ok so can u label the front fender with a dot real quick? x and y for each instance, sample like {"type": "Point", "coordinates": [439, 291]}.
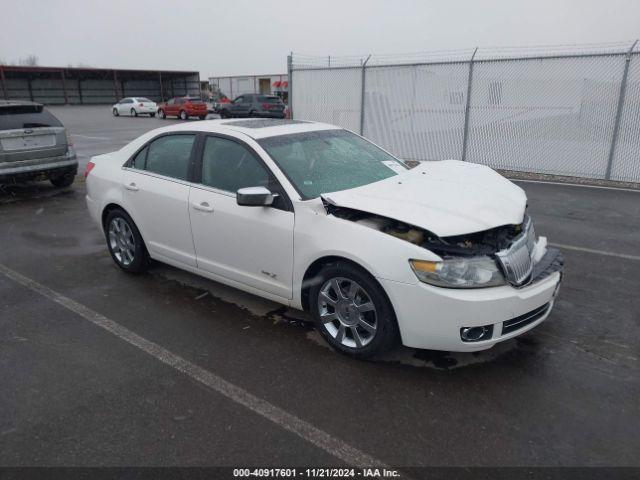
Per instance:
{"type": "Point", "coordinates": [318, 235]}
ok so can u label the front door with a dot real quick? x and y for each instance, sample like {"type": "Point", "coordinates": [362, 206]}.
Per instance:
{"type": "Point", "coordinates": [240, 106]}
{"type": "Point", "coordinates": [249, 245]}
{"type": "Point", "coordinates": [124, 106]}
{"type": "Point", "coordinates": [156, 195]}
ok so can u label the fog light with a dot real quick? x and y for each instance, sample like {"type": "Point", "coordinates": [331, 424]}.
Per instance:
{"type": "Point", "coordinates": [476, 334]}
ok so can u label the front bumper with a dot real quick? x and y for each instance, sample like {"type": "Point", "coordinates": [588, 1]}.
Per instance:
{"type": "Point", "coordinates": [431, 317]}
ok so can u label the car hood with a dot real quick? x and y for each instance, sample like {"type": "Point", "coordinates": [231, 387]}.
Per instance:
{"type": "Point", "coordinates": [447, 197]}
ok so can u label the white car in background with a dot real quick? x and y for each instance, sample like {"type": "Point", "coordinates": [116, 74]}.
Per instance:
{"type": "Point", "coordinates": [135, 106]}
{"type": "Point", "coordinates": [442, 256]}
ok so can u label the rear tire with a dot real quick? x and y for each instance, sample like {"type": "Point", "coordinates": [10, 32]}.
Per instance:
{"type": "Point", "coordinates": [352, 311]}
{"type": "Point", "coordinates": [115, 112]}
{"type": "Point", "coordinates": [161, 114]}
{"type": "Point", "coordinates": [134, 113]}
{"type": "Point", "coordinates": [125, 243]}
{"type": "Point", "coordinates": [183, 115]}
{"type": "Point", "coordinates": [224, 114]}
{"type": "Point", "coordinates": [152, 115]}
{"type": "Point", "coordinates": [202, 117]}
{"type": "Point", "coordinates": [64, 180]}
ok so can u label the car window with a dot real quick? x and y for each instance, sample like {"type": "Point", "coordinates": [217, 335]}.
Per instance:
{"type": "Point", "coordinates": [128, 100]}
{"type": "Point", "coordinates": [26, 116]}
{"type": "Point", "coordinates": [171, 101]}
{"type": "Point", "coordinates": [269, 99]}
{"type": "Point", "coordinates": [142, 99]}
{"type": "Point", "coordinates": [239, 100]}
{"type": "Point", "coordinates": [139, 160]}
{"type": "Point", "coordinates": [229, 166]}
{"type": "Point", "coordinates": [170, 155]}
{"type": "Point", "coordinates": [179, 101]}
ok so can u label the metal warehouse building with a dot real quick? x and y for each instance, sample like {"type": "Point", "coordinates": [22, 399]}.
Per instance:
{"type": "Point", "coordinates": [231, 87]}
{"type": "Point", "coordinates": [85, 86]}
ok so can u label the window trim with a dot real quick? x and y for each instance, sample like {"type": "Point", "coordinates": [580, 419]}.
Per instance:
{"type": "Point", "coordinates": [197, 178]}
{"type": "Point", "coordinates": [192, 156]}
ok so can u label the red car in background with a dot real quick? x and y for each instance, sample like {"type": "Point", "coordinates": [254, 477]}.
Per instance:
{"type": "Point", "coordinates": [183, 108]}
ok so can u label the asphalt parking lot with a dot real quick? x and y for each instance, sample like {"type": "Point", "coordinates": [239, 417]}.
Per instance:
{"type": "Point", "coordinates": [101, 368]}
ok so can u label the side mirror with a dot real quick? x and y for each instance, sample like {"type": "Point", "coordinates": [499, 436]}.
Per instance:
{"type": "Point", "coordinates": [255, 197]}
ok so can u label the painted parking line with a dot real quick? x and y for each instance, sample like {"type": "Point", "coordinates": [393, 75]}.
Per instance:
{"type": "Point", "coordinates": [321, 439]}
{"type": "Point", "coordinates": [563, 184]}
{"type": "Point", "coordinates": [90, 138]}
{"type": "Point", "coordinates": [597, 252]}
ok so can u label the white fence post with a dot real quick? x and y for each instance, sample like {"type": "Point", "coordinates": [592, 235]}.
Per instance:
{"type": "Point", "coordinates": [467, 108]}
{"type": "Point", "coordinates": [616, 126]}
{"type": "Point", "coordinates": [364, 67]}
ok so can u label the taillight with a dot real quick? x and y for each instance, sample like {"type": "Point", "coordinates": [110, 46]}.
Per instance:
{"type": "Point", "coordinates": [266, 106]}
{"type": "Point", "coordinates": [69, 140]}
{"type": "Point", "coordinates": [142, 105]}
{"type": "Point", "coordinates": [88, 168]}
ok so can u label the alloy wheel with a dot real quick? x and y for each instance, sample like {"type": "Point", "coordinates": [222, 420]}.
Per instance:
{"type": "Point", "coordinates": [121, 241]}
{"type": "Point", "coordinates": [347, 312]}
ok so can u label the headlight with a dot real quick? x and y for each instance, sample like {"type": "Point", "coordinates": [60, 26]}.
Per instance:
{"type": "Point", "coordinates": [460, 272]}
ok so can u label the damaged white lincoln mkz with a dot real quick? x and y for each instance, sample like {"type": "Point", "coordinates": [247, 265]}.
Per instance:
{"type": "Point", "coordinates": [442, 256]}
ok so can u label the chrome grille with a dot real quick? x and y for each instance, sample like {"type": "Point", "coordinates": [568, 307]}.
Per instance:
{"type": "Point", "coordinates": [516, 260]}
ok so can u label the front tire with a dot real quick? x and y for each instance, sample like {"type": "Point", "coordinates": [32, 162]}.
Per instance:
{"type": "Point", "coordinates": [125, 243]}
{"type": "Point", "coordinates": [202, 117]}
{"type": "Point", "coordinates": [351, 311]}
{"type": "Point", "coordinates": [115, 112]}
{"type": "Point", "coordinates": [183, 115]}
{"type": "Point", "coordinates": [152, 115]}
{"type": "Point", "coordinates": [224, 114]}
{"type": "Point", "coordinates": [161, 114]}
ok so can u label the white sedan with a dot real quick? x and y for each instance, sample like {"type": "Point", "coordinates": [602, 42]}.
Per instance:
{"type": "Point", "coordinates": [442, 256]}
{"type": "Point", "coordinates": [135, 106]}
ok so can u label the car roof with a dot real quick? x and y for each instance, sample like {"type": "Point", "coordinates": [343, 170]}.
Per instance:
{"type": "Point", "coordinates": [255, 128]}
{"type": "Point", "coordinates": [13, 103]}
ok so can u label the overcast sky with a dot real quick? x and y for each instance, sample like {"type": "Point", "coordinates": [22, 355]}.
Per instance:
{"type": "Point", "coordinates": [231, 37]}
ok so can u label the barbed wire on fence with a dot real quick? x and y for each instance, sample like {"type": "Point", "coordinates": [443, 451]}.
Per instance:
{"type": "Point", "coordinates": [300, 60]}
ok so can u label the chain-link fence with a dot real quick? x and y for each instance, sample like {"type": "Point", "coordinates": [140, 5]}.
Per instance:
{"type": "Point", "coordinates": [559, 110]}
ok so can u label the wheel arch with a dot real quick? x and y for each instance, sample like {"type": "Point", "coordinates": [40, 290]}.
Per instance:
{"type": "Point", "coordinates": [115, 206]}
{"type": "Point", "coordinates": [314, 268]}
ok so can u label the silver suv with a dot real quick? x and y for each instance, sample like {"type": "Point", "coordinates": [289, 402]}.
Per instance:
{"type": "Point", "coordinates": [34, 145]}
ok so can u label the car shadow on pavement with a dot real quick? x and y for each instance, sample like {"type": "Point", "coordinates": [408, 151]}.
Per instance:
{"type": "Point", "coordinates": [13, 192]}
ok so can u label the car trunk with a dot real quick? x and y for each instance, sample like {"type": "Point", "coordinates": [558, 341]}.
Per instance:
{"type": "Point", "coordinates": [29, 133]}
{"type": "Point", "coordinates": [31, 144]}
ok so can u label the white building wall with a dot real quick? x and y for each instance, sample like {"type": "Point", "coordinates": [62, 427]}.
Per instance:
{"type": "Point", "coordinates": [232, 87]}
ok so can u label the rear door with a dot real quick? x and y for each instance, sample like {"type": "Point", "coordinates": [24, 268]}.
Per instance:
{"type": "Point", "coordinates": [170, 107]}
{"type": "Point", "coordinates": [179, 103]}
{"type": "Point", "coordinates": [29, 134]}
{"type": "Point", "coordinates": [156, 195]}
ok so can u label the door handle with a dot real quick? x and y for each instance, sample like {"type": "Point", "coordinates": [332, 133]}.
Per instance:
{"type": "Point", "coordinates": [132, 186]}
{"type": "Point", "coordinates": [203, 207]}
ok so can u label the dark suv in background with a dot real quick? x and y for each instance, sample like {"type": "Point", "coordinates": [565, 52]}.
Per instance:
{"type": "Point", "coordinates": [253, 105]}
{"type": "Point", "coordinates": [34, 145]}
